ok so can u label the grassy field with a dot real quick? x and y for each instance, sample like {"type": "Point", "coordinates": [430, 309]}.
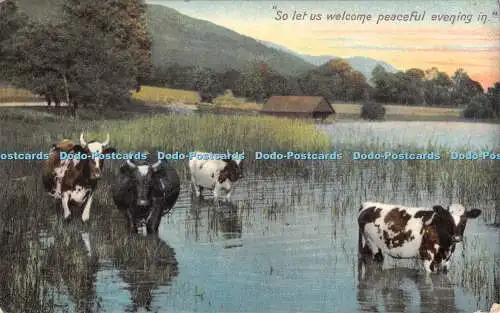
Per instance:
{"type": "Point", "coordinates": [165, 96]}
{"type": "Point", "coordinates": [401, 110]}
{"type": "Point", "coordinates": [8, 94]}
{"type": "Point", "coordinates": [31, 273]}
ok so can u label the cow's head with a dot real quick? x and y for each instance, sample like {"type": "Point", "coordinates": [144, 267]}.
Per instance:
{"type": "Point", "coordinates": [453, 220]}
{"type": "Point", "coordinates": [460, 216]}
{"type": "Point", "coordinates": [96, 148]}
{"type": "Point", "coordinates": [142, 177]}
{"type": "Point", "coordinates": [87, 165]}
{"type": "Point", "coordinates": [232, 171]}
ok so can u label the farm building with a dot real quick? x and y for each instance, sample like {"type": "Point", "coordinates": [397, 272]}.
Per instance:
{"type": "Point", "coordinates": [298, 106]}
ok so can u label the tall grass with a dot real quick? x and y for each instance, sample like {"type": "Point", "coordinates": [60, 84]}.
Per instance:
{"type": "Point", "coordinates": [216, 134]}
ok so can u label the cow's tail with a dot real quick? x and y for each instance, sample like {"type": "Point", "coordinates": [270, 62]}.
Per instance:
{"type": "Point", "coordinates": [360, 242]}
{"type": "Point", "coordinates": [360, 236]}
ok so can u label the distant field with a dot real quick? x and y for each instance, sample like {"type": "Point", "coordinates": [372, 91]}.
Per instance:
{"type": "Point", "coordinates": [9, 94]}
{"type": "Point", "coordinates": [401, 110]}
{"type": "Point", "coordinates": [159, 95]}
{"type": "Point", "coordinates": [169, 96]}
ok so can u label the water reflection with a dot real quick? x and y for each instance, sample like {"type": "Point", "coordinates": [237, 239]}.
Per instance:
{"type": "Point", "coordinates": [223, 220]}
{"type": "Point", "coordinates": [404, 290]}
{"type": "Point", "coordinates": [68, 263]}
{"type": "Point", "coordinates": [145, 264]}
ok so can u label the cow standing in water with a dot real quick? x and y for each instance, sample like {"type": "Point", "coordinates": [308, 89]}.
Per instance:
{"type": "Point", "coordinates": [214, 174]}
{"type": "Point", "coordinates": [73, 181]}
{"type": "Point", "coordinates": [144, 193]}
{"type": "Point", "coordinates": [429, 234]}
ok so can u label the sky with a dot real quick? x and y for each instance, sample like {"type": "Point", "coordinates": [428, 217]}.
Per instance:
{"type": "Point", "coordinates": [471, 41]}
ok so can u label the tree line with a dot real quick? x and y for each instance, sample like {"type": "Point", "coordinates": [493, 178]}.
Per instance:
{"type": "Point", "coordinates": [101, 50]}
{"type": "Point", "coordinates": [338, 81]}
{"type": "Point", "coordinates": [95, 54]}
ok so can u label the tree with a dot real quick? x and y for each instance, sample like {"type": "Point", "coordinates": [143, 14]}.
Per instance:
{"type": "Point", "coordinates": [464, 88]}
{"type": "Point", "coordinates": [251, 81]}
{"type": "Point", "coordinates": [208, 83]}
{"type": "Point", "coordinates": [494, 97]}
{"type": "Point", "coordinates": [372, 111]}
{"type": "Point", "coordinates": [415, 80]}
{"type": "Point", "coordinates": [122, 19]}
{"type": "Point", "coordinates": [90, 58]}
{"type": "Point", "coordinates": [438, 87]}
{"type": "Point", "coordinates": [334, 80]}
{"type": "Point", "coordinates": [11, 21]}
{"type": "Point", "coordinates": [383, 85]}
{"type": "Point", "coordinates": [479, 107]}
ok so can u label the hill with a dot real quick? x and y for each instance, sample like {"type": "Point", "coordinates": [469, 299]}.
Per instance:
{"type": "Point", "coordinates": [188, 41]}
{"type": "Point", "coordinates": [362, 64]}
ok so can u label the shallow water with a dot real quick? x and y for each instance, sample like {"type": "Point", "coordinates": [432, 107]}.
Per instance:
{"type": "Point", "coordinates": [453, 135]}
{"type": "Point", "coordinates": [285, 245]}
{"type": "Point", "coordinates": [290, 251]}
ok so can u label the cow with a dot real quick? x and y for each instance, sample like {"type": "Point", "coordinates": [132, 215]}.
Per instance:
{"type": "Point", "coordinates": [145, 193]}
{"type": "Point", "coordinates": [428, 234]}
{"type": "Point", "coordinates": [214, 174]}
{"type": "Point", "coordinates": [73, 181]}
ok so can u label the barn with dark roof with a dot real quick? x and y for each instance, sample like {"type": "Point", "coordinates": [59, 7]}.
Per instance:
{"type": "Point", "coordinates": [298, 106]}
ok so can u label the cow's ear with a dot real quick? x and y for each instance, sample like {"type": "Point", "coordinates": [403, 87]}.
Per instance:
{"type": "Point", "coordinates": [473, 213]}
{"type": "Point", "coordinates": [109, 150]}
{"type": "Point", "coordinates": [439, 209]}
{"type": "Point", "coordinates": [78, 148]}
{"type": "Point", "coordinates": [125, 170]}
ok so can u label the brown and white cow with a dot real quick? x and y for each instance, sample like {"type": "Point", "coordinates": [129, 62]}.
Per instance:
{"type": "Point", "coordinates": [214, 174]}
{"type": "Point", "coordinates": [74, 180]}
{"type": "Point", "coordinates": [429, 234]}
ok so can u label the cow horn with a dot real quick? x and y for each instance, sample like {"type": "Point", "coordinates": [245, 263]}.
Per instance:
{"type": "Point", "coordinates": [130, 164]}
{"type": "Point", "coordinates": [156, 165]}
{"type": "Point", "coordinates": [82, 141]}
{"type": "Point", "coordinates": [107, 140]}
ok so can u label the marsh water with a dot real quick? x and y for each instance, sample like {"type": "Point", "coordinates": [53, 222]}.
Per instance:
{"type": "Point", "coordinates": [290, 245]}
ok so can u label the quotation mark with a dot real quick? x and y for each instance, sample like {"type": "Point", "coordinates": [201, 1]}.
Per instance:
{"type": "Point", "coordinates": [275, 7]}
{"type": "Point", "coordinates": [495, 13]}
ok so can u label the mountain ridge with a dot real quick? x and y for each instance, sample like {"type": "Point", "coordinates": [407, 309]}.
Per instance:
{"type": "Point", "coordinates": [187, 41]}
{"type": "Point", "coordinates": [363, 64]}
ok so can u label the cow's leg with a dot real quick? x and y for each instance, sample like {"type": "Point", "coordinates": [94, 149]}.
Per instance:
{"type": "Point", "coordinates": [65, 204]}
{"type": "Point", "coordinates": [217, 189]}
{"type": "Point", "coordinates": [131, 223]}
{"type": "Point", "coordinates": [86, 241]}
{"type": "Point", "coordinates": [197, 189]}
{"type": "Point", "coordinates": [447, 258]}
{"type": "Point", "coordinates": [431, 265]}
{"type": "Point", "coordinates": [154, 221]}
{"type": "Point", "coordinates": [229, 194]}
{"type": "Point", "coordinates": [373, 250]}
{"type": "Point", "coordinates": [86, 209]}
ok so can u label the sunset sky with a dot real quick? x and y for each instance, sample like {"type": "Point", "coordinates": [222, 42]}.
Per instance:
{"type": "Point", "coordinates": [474, 46]}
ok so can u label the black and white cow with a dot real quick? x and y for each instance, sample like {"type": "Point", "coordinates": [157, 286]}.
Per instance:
{"type": "Point", "coordinates": [145, 193]}
{"type": "Point", "coordinates": [214, 174]}
{"type": "Point", "coordinates": [429, 234]}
